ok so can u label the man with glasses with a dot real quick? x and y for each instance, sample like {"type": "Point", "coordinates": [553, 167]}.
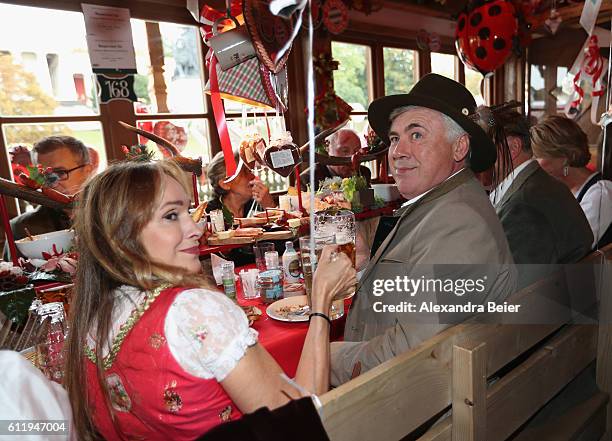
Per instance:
{"type": "Point", "coordinates": [71, 161]}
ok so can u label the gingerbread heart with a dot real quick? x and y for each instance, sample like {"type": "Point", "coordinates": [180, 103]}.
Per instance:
{"type": "Point", "coordinates": [283, 158]}
{"type": "Point", "coordinates": [247, 153]}
{"type": "Point", "coordinates": [259, 148]}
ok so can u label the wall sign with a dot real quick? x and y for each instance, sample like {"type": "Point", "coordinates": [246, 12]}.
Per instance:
{"type": "Point", "coordinates": [116, 88]}
{"type": "Point", "coordinates": [109, 39]}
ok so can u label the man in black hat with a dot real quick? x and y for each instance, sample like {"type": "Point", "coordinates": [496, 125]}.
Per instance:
{"type": "Point", "coordinates": [447, 236]}
{"type": "Point", "coordinates": [542, 220]}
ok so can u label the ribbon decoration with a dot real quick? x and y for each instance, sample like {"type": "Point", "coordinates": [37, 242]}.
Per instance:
{"type": "Point", "coordinates": [593, 67]}
{"type": "Point", "coordinates": [219, 113]}
{"type": "Point", "coordinates": [208, 17]}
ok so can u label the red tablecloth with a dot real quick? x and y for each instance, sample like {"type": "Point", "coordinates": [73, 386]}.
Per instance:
{"type": "Point", "coordinates": [284, 341]}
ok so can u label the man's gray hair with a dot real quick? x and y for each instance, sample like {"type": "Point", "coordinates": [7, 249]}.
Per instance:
{"type": "Point", "coordinates": [453, 130]}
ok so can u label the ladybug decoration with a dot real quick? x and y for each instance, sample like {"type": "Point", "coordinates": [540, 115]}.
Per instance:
{"type": "Point", "coordinates": [486, 34]}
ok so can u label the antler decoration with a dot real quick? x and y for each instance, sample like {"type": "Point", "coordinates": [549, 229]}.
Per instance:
{"type": "Point", "coordinates": [336, 160]}
{"type": "Point", "coordinates": [188, 164]}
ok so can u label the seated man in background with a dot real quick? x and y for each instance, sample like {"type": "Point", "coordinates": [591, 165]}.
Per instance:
{"type": "Point", "coordinates": [446, 231]}
{"type": "Point", "coordinates": [70, 160]}
{"type": "Point", "coordinates": [542, 220]}
{"type": "Point", "coordinates": [344, 143]}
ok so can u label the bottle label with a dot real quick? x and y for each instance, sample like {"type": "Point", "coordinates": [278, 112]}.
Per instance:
{"type": "Point", "coordinates": [229, 286]}
{"type": "Point", "coordinates": [294, 268]}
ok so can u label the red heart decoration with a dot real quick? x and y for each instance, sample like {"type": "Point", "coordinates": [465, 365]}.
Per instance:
{"type": "Point", "coordinates": [283, 158]}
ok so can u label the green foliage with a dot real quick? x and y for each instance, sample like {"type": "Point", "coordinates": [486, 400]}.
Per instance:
{"type": "Point", "coordinates": [350, 80]}
{"type": "Point", "coordinates": [21, 95]}
{"type": "Point", "coordinates": [399, 70]}
{"type": "Point", "coordinates": [141, 87]}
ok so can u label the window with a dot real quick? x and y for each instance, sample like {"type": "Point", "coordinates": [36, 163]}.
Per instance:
{"type": "Point", "coordinates": [473, 82]}
{"type": "Point", "coordinates": [400, 70]}
{"type": "Point", "coordinates": [444, 64]}
{"type": "Point", "coordinates": [352, 80]}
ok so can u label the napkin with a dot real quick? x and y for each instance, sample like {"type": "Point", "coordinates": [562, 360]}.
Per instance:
{"type": "Point", "coordinates": [216, 263]}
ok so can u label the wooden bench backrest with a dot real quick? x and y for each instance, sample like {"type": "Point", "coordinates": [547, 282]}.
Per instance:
{"type": "Point", "coordinates": [395, 398]}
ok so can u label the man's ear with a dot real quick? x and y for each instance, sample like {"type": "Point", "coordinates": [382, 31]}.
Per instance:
{"type": "Point", "coordinates": [461, 148]}
{"type": "Point", "coordinates": [515, 145]}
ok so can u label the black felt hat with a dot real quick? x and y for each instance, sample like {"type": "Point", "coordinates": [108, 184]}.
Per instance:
{"type": "Point", "coordinates": [439, 93]}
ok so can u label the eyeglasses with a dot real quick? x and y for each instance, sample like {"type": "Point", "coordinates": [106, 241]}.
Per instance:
{"type": "Point", "coordinates": [62, 174]}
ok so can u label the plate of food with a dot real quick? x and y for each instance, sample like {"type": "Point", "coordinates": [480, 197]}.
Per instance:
{"type": "Point", "coordinates": [291, 309]}
{"type": "Point", "coordinates": [253, 313]}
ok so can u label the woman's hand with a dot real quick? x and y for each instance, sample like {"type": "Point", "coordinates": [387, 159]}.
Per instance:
{"type": "Point", "coordinates": [334, 275]}
{"type": "Point", "coordinates": [261, 193]}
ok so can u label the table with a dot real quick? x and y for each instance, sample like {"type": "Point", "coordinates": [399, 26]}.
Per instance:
{"type": "Point", "coordinates": [284, 341]}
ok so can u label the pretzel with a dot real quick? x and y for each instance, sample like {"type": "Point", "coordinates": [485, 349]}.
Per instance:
{"type": "Point", "coordinates": [199, 212]}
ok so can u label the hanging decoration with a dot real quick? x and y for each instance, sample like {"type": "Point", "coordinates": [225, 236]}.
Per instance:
{"type": "Point", "coordinates": [590, 67]}
{"type": "Point", "coordinates": [486, 34]}
{"type": "Point", "coordinates": [554, 20]}
{"type": "Point", "coordinates": [335, 16]}
{"type": "Point", "coordinates": [330, 109]}
{"type": "Point", "coordinates": [428, 41]}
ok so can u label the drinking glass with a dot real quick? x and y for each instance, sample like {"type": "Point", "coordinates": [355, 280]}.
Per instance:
{"type": "Point", "coordinates": [309, 265]}
{"type": "Point", "coordinates": [341, 225]}
{"type": "Point", "coordinates": [260, 249]}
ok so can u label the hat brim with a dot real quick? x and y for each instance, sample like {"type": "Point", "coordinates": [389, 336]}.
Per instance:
{"type": "Point", "coordinates": [483, 152]}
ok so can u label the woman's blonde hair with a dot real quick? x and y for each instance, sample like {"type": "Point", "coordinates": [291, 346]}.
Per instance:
{"type": "Point", "coordinates": [559, 137]}
{"type": "Point", "coordinates": [114, 207]}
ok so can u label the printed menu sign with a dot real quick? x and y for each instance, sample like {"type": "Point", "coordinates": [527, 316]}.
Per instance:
{"type": "Point", "coordinates": [109, 39]}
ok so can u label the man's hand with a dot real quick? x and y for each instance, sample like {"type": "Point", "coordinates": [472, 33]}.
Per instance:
{"type": "Point", "coordinates": [261, 193]}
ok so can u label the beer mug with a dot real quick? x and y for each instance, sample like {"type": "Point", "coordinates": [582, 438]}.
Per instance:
{"type": "Point", "coordinates": [341, 225]}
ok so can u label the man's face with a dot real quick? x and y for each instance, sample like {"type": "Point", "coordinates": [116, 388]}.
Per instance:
{"type": "Point", "coordinates": [63, 159]}
{"type": "Point", "coordinates": [420, 156]}
{"type": "Point", "coordinates": [346, 145]}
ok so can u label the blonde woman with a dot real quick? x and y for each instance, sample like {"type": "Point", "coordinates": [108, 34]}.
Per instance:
{"type": "Point", "coordinates": [153, 353]}
{"type": "Point", "coordinates": [561, 148]}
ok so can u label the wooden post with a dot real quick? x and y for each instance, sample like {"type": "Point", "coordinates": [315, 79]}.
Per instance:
{"type": "Point", "coordinates": [604, 343]}
{"type": "Point", "coordinates": [469, 398]}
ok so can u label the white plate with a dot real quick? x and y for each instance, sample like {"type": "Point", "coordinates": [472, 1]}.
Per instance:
{"type": "Point", "coordinates": [273, 310]}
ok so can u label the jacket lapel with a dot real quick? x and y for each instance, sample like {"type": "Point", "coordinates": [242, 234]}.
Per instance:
{"type": "Point", "coordinates": [447, 186]}
{"type": "Point", "coordinates": [518, 182]}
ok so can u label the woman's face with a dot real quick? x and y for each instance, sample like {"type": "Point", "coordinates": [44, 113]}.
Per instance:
{"type": "Point", "coordinates": [171, 237]}
{"type": "Point", "coordinates": [240, 185]}
{"type": "Point", "coordinates": [553, 166]}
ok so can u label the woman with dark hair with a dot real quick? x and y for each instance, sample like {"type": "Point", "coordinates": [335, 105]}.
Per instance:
{"type": "Point", "coordinates": [153, 353]}
{"type": "Point", "coordinates": [562, 149]}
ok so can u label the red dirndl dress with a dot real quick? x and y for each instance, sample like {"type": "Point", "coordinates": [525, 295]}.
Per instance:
{"type": "Point", "coordinates": [152, 397]}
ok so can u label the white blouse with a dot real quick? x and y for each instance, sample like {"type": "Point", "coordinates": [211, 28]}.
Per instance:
{"type": "Point", "coordinates": [206, 332]}
{"type": "Point", "coordinates": [597, 206]}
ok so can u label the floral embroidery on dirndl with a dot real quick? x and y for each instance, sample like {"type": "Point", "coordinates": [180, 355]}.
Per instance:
{"type": "Point", "coordinates": [200, 334]}
{"type": "Point", "coordinates": [119, 397]}
{"type": "Point", "coordinates": [225, 414]}
{"type": "Point", "coordinates": [172, 399]}
{"type": "Point", "coordinates": [156, 340]}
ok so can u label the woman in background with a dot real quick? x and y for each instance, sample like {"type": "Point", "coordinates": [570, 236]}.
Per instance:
{"type": "Point", "coordinates": [153, 352]}
{"type": "Point", "coordinates": [561, 148]}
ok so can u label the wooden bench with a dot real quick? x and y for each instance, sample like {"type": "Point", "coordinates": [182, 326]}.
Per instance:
{"type": "Point", "coordinates": [451, 371]}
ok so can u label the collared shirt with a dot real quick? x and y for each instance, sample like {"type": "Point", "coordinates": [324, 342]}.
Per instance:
{"type": "Point", "coordinates": [497, 195]}
{"type": "Point", "coordinates": [597, 206]}
{"type": "Point", "coordinates": [416, 198]}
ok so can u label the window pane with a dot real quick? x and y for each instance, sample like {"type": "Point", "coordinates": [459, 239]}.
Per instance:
{"type": "Point", "coordinates": [190, 136]}
{"type": "Point", "coordinates": [473, 82]}
{"type": "Point", "coordinates": [90, 133]}
{"type": "Point", "coordinates": [46, 71]}
{"type": "Point", "coordinates": [239, 128]}
{"type": "Point", "coordinates": [537, 91]}
{"type": "Point", "coordinates": [174, 84]}
{"type": "Point", "coordinates": [443, 64]}
{"type": "Point", "coordinates": [352, 80]}
{"type": "Point", "coordinates": [399, 70]}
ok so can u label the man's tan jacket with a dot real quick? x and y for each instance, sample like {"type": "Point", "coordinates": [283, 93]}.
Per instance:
{"type": "Point", "coordinates": [451, 233]}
